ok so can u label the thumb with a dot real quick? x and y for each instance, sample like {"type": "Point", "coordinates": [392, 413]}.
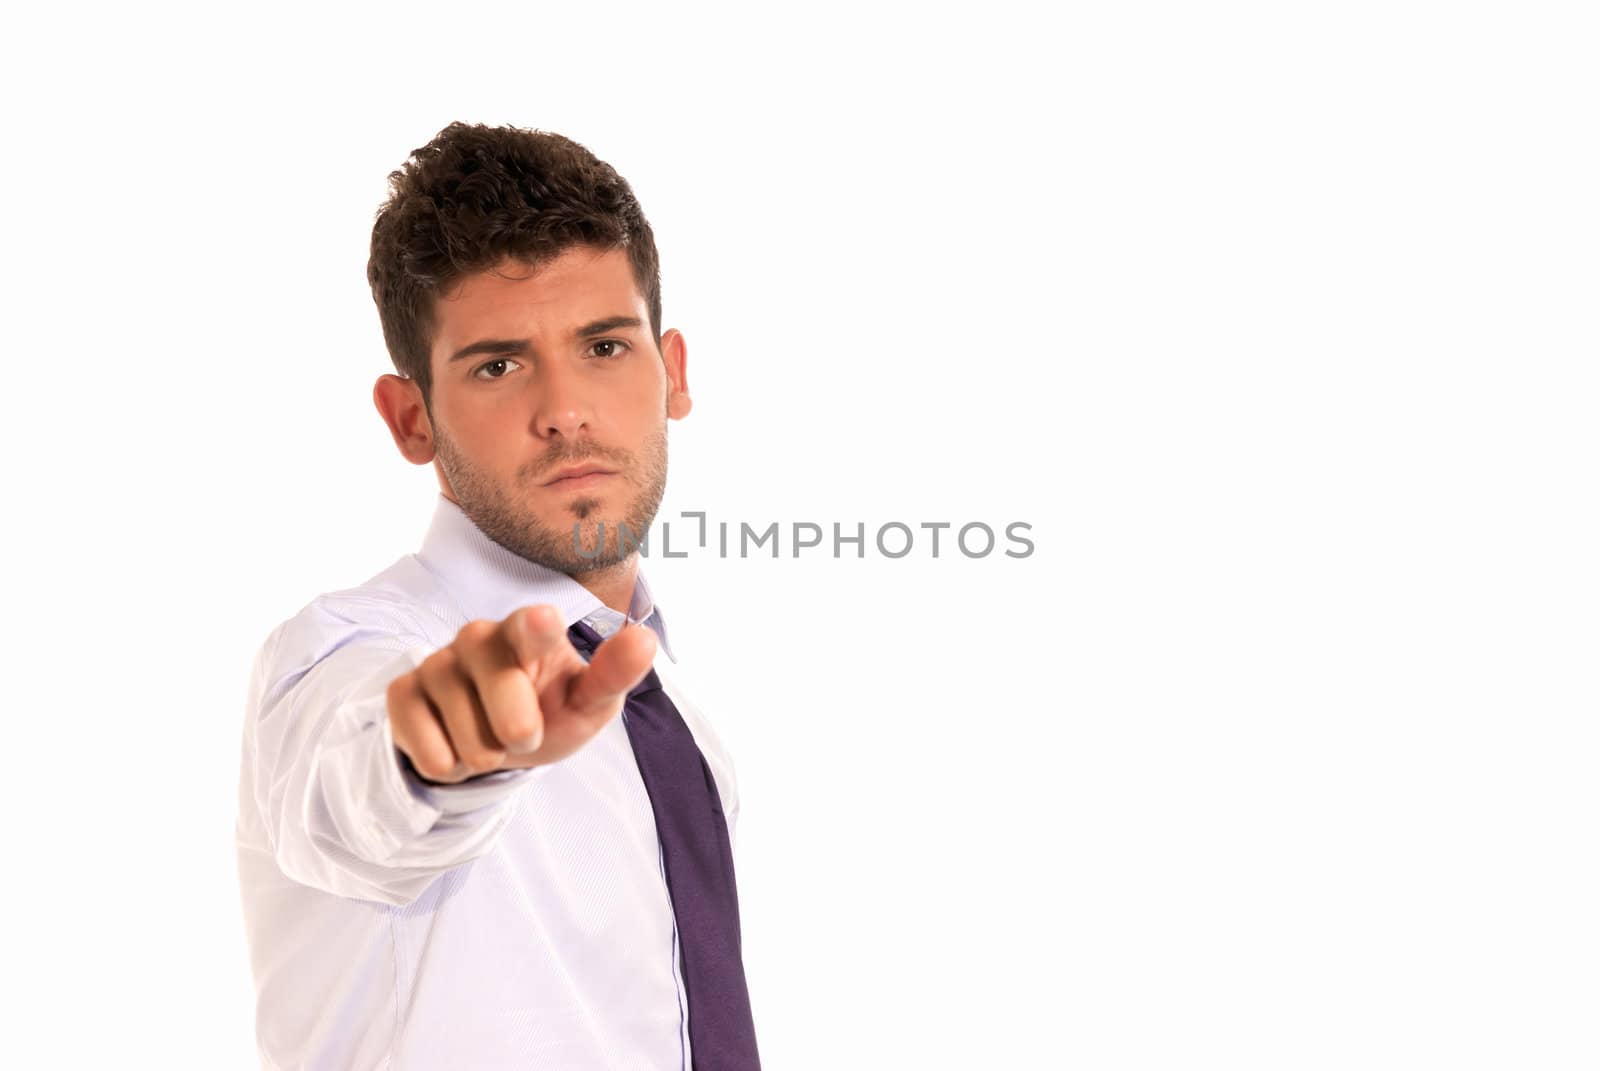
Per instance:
{"type": "Point", "coordinates": [619, 663]}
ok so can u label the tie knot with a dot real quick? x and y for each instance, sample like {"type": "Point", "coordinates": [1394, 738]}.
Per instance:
{"type": "Point", "coordinates": [584, 638]}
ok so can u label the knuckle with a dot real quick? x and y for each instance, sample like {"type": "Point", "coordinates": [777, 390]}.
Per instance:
{"type": "Point", "coordinates": [438, 665]}
{"type": "Point", "coordinates": [476, 631]}
{"type": "Point", "coordinates": [402, 699]}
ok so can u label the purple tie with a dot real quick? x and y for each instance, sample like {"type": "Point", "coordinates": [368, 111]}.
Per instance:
{"type": "Point", "coordinates": [699, 863]}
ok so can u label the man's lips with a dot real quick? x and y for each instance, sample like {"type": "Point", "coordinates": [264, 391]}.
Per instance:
{"type": "Point", "coordinates": [578, 476]}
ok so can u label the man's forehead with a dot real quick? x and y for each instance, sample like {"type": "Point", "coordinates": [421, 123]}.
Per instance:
{"type": "Point", "coordinates": [557, 295]}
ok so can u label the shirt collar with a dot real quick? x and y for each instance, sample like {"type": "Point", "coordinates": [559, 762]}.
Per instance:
{"type": "Point", "coordinates": [488, 581]}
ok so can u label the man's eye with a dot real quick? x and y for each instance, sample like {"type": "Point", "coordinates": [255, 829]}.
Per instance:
{"type": "Point", "coordinates": [609, 347]}
{"type": "Point", "coordinates": [490, 364]}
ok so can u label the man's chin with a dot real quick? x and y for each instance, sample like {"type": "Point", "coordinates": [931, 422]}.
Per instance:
{"type": "Point", "coordinates": [582, 539]}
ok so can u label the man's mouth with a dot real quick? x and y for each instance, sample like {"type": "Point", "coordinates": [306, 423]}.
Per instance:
{"type": "Point", "coordinates": [575, 476]}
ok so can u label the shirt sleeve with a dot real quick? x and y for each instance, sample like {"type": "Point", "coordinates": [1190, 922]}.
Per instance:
{"type": "Point", "coordinates": [342, 812]}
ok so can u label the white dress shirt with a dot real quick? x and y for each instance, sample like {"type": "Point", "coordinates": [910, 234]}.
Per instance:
{"type": "Point", "coordinates": [520, 920]}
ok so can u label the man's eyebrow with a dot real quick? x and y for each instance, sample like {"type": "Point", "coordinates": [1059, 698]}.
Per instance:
{"type": "Point", "coordinates": [502, 346]}
{"type": "Point", "coordinates": [610, 323]}
{"type": "Point", "coordinates": [490, 345]}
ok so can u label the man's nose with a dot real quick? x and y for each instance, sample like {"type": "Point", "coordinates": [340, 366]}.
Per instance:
{"type": "Point", "coordinates": [563, 408]}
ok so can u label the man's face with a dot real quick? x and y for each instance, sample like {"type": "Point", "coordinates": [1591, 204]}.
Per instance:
{"type": "Point", "coordinates": [538, 373]}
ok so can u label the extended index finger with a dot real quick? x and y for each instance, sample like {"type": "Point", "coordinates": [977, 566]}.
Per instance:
{"type": "Point", "coordinates": [533, 632]}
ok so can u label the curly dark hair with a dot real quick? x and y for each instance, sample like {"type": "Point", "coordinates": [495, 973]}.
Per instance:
{"type": "Point", "coordinates": [475, 195]}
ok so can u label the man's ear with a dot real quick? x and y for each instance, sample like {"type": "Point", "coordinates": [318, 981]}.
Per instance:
{"type": "Point", "coordinates": [675, 355]}
{"type": "Point", "coordinates": [399, 402]}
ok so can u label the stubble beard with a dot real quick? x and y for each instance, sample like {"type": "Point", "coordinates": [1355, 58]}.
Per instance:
{"type": "Point", "coordinates": [503, 515]}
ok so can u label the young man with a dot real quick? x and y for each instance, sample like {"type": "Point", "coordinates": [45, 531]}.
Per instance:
{"type": "Point", "coordinates": [453, 851]}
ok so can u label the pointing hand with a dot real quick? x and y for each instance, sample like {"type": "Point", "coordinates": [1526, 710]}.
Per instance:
{"type": "Point", "coordinates": [512, 694]}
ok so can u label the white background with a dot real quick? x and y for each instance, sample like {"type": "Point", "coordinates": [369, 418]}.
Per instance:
{"type": "Point", "coordinates": [1277, 322]}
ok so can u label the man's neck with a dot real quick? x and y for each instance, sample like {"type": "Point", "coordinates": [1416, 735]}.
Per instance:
{"type": "Point", "coordinates": [613, 584]}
